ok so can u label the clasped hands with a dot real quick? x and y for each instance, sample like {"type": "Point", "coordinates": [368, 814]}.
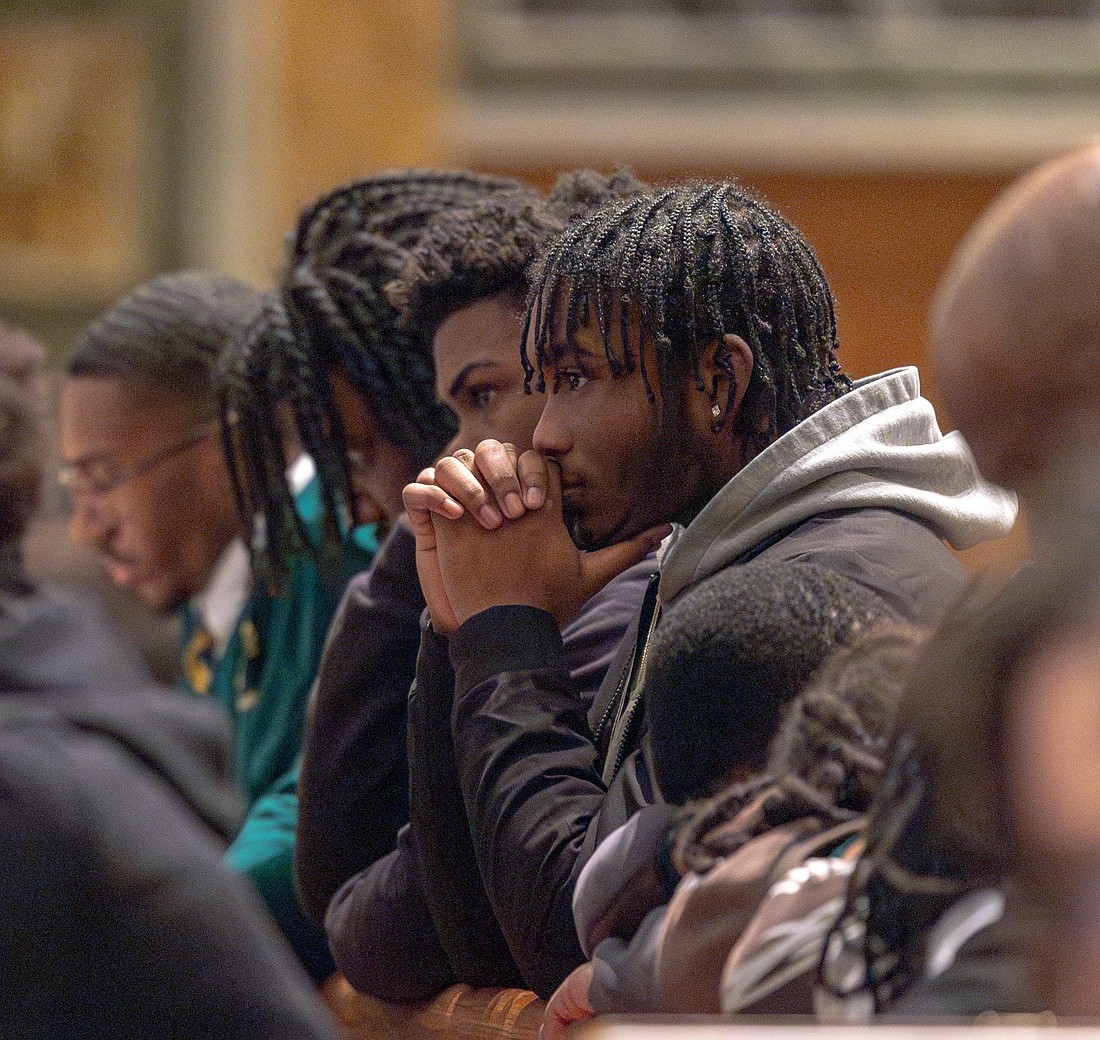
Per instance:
{"type": "Point", "coordinates": [490, 532]}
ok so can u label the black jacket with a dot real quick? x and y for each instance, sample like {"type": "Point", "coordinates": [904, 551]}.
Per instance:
{"type": "Point", "coordinates": [117, 915]}
{"type": "Point", "coordinates": [539, 806]}
{"type": "Point", "coordinates": [419, 919]}
{"type": "Point", "coordinates": [353, 787]}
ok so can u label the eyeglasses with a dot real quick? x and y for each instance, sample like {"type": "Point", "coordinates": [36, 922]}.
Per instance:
{"type": "Point", "coordinates": [359, 459]}
{"type": "Point", "coordinates": [101, 476]}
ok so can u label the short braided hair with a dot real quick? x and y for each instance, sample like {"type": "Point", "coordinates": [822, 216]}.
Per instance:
{"type": "Point", "coordinates": [835, 736]}
{"type": "Point", "coordinates": [22, 410]}
{"type": "Point", "coordinates": [169, 333]}
{"type": "Point", "coordinates": [696, 262]}
{"type": "Point", "coordinates": [330, 312]}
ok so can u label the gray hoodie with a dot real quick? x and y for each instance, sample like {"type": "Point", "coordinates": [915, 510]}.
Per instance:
{"type": "Point", "coordinates": [877, 447]}
{"type": "Point", "coordinates": [867, 485]}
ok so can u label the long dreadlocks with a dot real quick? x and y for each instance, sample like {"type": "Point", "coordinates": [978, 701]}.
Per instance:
{"type": "Point", "coordinates": [330, 312]}
{"type": "Point", "coordinates": [694, 263]}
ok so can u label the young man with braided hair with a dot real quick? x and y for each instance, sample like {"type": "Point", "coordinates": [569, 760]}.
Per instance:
{"type": "Point", "coordinates": [152, 493]}
{"type": "Point", "coordinates": [331, 328]}
{"type": "Point", "coordinates": [686, 338]}
{"type": "Point", "coordinates": [330, 361]}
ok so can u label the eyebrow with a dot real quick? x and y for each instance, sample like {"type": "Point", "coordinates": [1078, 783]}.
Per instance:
{"type": "Point", "coordinates": [87, 459]}
{"type": "Point", "coordinates": [463, 377]}
{"type": "Point", "coordinates": [556, 351]}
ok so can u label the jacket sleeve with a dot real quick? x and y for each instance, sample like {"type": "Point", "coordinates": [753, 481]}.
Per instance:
{"type": "Point", "coordinates": [440, 834]}
{"type": "Point", "coordinates": [382, 934]}
{"type": "Point", "coordinates": [353, 785]}
{"type": "Point", "coordinates": [529, 769]}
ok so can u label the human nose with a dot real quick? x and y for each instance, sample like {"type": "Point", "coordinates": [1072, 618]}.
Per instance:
{"type": "Point", "coordinates": [552, 437]}
{"type": "Point", "coordinates": [462, 439]}
{"type": "Point", "coordinates": [89, 523]}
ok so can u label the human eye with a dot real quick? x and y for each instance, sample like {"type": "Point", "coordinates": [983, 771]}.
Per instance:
{"type": "Point", "coordinates": [100, 477]}
{"type": "Point", "coordinates": [359, 454]}
{"type": "Point", "coordinates": [482, 396]}
{"type": "Point", "coordinates": [573, 378]}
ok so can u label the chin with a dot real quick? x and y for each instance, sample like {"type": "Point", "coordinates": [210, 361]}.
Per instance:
{"type": "Point", "coordinates": [587, 540]}
{"type": "Point", "coordinates": [577, 532]}
{"type": "Point", "coordinates": [161, 601]}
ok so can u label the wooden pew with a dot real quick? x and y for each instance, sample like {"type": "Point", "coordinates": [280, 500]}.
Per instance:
{"type": "Point", "coordinates": [460, 1013]}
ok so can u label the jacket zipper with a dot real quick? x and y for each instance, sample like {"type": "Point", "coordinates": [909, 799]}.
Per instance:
{"type": "Point", "coordinates": [634, 681]}
{"type": "Point", "coordinates": [615, 702]}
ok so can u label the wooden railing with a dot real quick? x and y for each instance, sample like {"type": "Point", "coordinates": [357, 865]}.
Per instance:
{"type": "Point", "coordinates": [460, 1013]}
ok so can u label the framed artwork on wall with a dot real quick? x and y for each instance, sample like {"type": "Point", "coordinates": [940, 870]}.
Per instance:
{"type": "Point", "coordinates": [78, 208]}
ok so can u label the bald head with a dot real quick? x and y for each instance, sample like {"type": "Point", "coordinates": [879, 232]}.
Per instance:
{"type": "Point", "coordinates": [1016, 323]}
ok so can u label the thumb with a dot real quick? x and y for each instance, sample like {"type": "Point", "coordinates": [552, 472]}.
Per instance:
{"type": "Point", "coordinates": [549, 472]}
{"type": "Point", "coordinates": [599, 567]}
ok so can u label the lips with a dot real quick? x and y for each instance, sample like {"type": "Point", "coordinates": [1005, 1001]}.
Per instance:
{"type": "Point", "coordinates": [121, 569]}
{"type": "Point", "coordinates": [572, 495]}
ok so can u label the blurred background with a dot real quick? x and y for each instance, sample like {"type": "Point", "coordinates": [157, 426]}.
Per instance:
{"type": "Point", "coordinates": [143, 135]}
{"type": "Point", "coordinates": [138, 135]}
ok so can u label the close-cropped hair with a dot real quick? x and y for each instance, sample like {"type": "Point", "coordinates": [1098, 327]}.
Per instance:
{"type": "Point", "coordinates": [469, 254]}
{"type": "Point", "coordinates": [727, 659]}
{"type": "Point", "coordinates": [168, 333]}
{"type": "Point", "coordinates": [829, 756]}
{"type": "Point", "coordinates": [330, 312]}
{"type": "Point", "coordinates": [688, 265]}
{"type": "Point", "coordinates": [22, 409]}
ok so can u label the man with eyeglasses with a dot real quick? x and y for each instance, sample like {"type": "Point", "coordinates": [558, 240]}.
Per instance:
{"type": "Point", "coordinates": [143, 461]}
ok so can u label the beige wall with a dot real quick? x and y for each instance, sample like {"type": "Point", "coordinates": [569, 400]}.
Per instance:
{"type": "Point", "coordinates": [301, 97]}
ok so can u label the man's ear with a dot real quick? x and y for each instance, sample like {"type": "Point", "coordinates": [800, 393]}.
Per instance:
{"type": "Point", "coordinates": [726, 372]}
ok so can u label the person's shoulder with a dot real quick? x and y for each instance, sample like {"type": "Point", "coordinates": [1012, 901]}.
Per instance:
{"type": "Point", "coordinates": [894, 554]}
{"type": "Point", "coordinates": [53, 637]}
{"type": "Point", "coordinates": [858, 530]}
{"type": "Point", "coordinates": [177, 744]}
{"type": "Point", "coordinates": [35, 756]}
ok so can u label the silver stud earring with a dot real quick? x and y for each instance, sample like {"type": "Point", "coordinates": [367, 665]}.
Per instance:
{"type": "Point", "coordinates": [715, 412]}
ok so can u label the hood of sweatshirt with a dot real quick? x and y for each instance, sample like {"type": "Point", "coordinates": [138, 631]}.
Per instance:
{"type": "Point", "coordinates": [63, 667]}
{"type": "Point", "coordinates": [57, 639]}
{"type": "Point", "coordinates": [877, 447]}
